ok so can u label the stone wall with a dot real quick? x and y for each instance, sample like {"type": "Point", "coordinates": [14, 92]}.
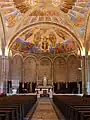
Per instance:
{"type": "Point", "coordinates": [56, 69]}
{"type": "Point", "coordinates": [45, 68]}
{"type": "Point", "coordinates": [29, 66]}
{"type": "Point", "coordinates": [16, 68]}
{"type": "Point", "coordinates": [0, 67]}
{"type": "Point", "coordinates": [60, 70]}
{"type": "Point", "coordinates": [72, 68]}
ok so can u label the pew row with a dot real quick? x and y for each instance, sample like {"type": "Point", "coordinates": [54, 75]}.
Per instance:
{"type": "Point", "coordinates": [73, 107]}
{"type": "Point", "coordinates": [16, 107]}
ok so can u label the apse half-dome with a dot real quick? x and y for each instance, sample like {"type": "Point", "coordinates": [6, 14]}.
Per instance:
{"type": "Point", "coordinates": [44, 39]}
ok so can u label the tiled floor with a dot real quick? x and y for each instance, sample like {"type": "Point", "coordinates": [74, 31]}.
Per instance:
{"type": "Point", "coordinates": [45, 111]}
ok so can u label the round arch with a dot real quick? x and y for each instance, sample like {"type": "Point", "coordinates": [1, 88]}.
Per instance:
{"type": "Point", "coordinates": [16, 67]}
{"type": "Point", "coordinates": [30, 69]}
{"type": "Point", "coordinates": [46, 58]}
{"type": "Point", "coordinates": [3, 33]}
{"type": "Point", "coordinates": [59, 56]}
{"type": "Point", "coordinates": [17, 54]}
{"type": "Point", "coordinates": [72, 67]}
{"type": "Point", "coordinates": [62, 27]}
{"type": "Point", "coordinates": [37, 7]}
{"type": "Point", "coordinates": [60, 69]}
{"type": "Point", "coordinates": [30, 56]}
{"type": "Point", "coordinates": [45, 69]}
{"type": "Point", "coordinates": [87, 32]}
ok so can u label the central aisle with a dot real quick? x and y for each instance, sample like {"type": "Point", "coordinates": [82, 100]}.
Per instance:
{"type": "Point", "coordinates": [44, 111]}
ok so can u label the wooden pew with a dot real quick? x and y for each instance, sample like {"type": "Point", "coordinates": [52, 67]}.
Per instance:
{"type": "Point", "coordinates": [18, 106]}
{"type": "Point", "coordinates": [73, 107]}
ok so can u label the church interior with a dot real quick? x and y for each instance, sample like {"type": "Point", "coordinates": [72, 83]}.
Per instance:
{"type": "Point", "coordinates": [44, 60]}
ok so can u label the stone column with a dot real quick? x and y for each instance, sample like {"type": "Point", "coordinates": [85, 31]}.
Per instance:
{"type": "Point", "coordinates": [67, 74]}
{"type": "Point", "coordinates": [37, 71]}
{"type": "Point", "coordinates": [10, 67]}
{"type": "Point", "coordinates": [84, 61]}
{"type": "Point", "coordinates": [31, 87]}
{"type": "Point", "coordinates": [3, 81]}
{"type": "Point", "coordinates": [52, 70]}
{"type": "Point", "coordinates": [88, 76]}
{"type": "Point", "coordinates": [22, 72]}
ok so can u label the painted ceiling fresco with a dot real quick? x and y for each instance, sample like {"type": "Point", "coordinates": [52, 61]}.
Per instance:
{"type": "Point", "coordinates": [11, 13]}
{"type": "Point", "coordinates": [44, 40]}
{"type": "Point", "coordinates": [78, 15]}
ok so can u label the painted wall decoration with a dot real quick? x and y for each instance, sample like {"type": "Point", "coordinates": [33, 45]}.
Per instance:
{"type": "Point", "coordinates": [11, 14]}
{"type": "Point", "coordinates": [44, 40]}
{"type": "Point", "coordinates": [78, 15]}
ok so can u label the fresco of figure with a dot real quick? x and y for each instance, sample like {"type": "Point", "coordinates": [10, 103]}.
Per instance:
{"type": "Point", "coordinates": [65, 5]}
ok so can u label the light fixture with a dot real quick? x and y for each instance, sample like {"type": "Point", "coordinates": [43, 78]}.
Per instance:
{"type": "Point", "coordinates": [83, 52]}
{"type": "Point", "coordinates": [79, 68]}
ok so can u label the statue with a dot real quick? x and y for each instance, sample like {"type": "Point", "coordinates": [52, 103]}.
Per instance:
{"type": "Point", "coordinates": [44, 80]}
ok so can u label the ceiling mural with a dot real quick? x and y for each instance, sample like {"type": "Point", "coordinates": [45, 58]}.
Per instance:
{"type": "Point", "coordinates": [64, 5]}
{"type": "Point", "coordinates": [11, 13]}
{"type": "Point", "coordinates": [74, 10]}
{"type": "Point", "coordinates": [44, 40]}
{"type": "Point", "coordinates": [78, 15]}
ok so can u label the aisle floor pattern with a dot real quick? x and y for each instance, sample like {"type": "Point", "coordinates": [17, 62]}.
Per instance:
{"type": "Point", "coordinates": [44, 111]}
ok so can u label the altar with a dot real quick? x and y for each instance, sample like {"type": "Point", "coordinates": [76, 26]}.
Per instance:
{"type": "Point", "coordinates": [44, 87]}
{"type": "Point", "coordinates": [45, 91]}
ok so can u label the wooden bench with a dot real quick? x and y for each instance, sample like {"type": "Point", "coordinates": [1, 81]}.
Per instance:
{"type": "Point", "coordinates": [15, 107]}
{"type": "Point", "coordinates": [73, 107]}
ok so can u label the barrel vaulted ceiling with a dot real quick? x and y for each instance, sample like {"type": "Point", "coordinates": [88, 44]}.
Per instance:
{"type": "Point", "coordinates": [18, 14]}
